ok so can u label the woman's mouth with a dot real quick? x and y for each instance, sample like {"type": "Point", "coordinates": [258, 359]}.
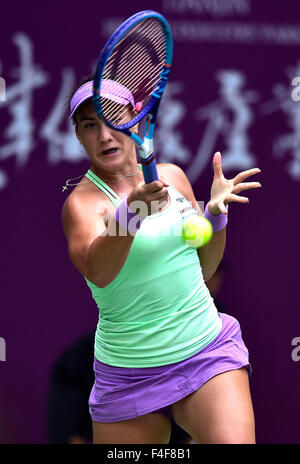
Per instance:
{"type": "Point", "coordinates": [110, 151]}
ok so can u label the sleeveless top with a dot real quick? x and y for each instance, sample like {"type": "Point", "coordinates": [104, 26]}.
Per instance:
{"type": "Point", "coordinates": [158, 309]}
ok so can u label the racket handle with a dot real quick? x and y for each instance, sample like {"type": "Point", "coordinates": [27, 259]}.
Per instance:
{"type": "Point", "coordinates": [149, 169]}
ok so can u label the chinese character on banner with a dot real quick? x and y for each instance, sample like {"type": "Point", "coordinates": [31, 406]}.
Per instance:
{"type": "Point", "coordinates": [228, 117]}
{"type": "Point", "coordinates": [61, 146]}
{"type": "Point", "coordinates": [287, 144]}
{"type": "Point", "coordinates": [19, 96]}
{"type": "Point", "coordinates": [168, 138]}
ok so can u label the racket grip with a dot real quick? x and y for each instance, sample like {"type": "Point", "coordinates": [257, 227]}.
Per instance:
{"type": "Point", "coordinates": [149, 169]}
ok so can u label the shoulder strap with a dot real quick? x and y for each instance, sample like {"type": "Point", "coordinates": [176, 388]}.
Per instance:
{"type": "Point", "coordinates": [114, 198]}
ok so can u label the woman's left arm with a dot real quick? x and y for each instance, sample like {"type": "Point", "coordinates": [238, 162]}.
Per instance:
{"type": "Point", "coordinates": [223, 191]}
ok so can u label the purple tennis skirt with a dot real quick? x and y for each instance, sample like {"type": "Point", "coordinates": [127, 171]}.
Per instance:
{"type": "Point", "coordinates": [121, 393]}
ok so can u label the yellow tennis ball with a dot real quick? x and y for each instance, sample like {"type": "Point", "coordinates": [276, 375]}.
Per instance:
{"type": "Point", "coordinates": [196, 231]}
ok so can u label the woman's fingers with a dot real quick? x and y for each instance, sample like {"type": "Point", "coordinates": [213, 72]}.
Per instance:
{"type": "Point", "coordinates": [223, 208]}
{"type": "Point", "coordinates": [245, 186]}
{"type": "Point", "coordinates": [244, 174]}
{"type": "Point", "coordinates": [217, 164]}
{"type": "Point", "coordinates": [225, 191]}
{"type": "Point", "coordinates": [238, 199]}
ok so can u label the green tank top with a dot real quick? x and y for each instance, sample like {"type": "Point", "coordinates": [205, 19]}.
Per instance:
{"type": "Point", "coordinates": [158, 309]}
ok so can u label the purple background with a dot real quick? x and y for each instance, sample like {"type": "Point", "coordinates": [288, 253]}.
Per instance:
{"type": "Point", "coordinates": [45, 304]}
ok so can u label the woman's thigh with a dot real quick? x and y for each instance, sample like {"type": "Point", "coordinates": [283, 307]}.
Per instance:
{"type": "Point", "coordinates": [149, 428]}
{"type": "Point", "coordinates": [220, 411]}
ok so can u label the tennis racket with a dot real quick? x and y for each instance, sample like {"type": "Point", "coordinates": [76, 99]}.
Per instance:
{"type": "Point", "coordinates": [138, 56]}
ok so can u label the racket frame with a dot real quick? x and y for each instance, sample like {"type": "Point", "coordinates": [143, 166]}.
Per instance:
{"type": "Point", "coordinates": [150, 111]}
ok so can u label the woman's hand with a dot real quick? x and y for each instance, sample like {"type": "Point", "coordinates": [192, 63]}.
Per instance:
{"type": "Point", "coordinates": [224, 191]}
{"type": "Point", "coordinates": [148, 198]}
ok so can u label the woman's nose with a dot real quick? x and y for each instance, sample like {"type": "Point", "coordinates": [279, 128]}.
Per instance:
{"type": "Point", "coordinates": [104, 132]}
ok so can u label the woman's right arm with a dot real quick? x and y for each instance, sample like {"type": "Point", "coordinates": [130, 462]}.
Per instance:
{"type": "Point", "coordinates": [98, 246]}
{"type": "Point", "coordinates": [98, 257]}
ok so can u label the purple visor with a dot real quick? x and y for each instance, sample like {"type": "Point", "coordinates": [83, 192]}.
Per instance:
{"type": "Point", "coordinates": [111, 90]}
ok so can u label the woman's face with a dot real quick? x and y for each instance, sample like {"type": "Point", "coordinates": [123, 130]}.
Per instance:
{"type": "Point", "coordinates": [107, 148]}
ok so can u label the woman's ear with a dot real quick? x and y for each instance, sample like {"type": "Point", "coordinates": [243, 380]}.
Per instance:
{"type": "Point", "coordinates": [77, 135]}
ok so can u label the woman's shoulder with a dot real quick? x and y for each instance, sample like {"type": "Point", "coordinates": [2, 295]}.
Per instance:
{"type": "Point", "coordinates": [173, 175]}
{"type": "Point", "coordinates": [84, 198]}
{"type": "Point", "coordinates": [176, 177]}
{"type": "Point", "coordinates": [169, 167]}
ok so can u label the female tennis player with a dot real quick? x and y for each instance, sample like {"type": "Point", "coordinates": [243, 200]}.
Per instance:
{"type": "Point", "coordinates": [161, 346]}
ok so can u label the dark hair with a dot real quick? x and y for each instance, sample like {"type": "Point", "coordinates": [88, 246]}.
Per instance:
{"type": "Point", "coordinates": [84, 81]}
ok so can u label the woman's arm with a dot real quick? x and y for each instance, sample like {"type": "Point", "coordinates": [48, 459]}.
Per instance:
{"type": "Point", "coordinates": [98, 257]}
{"type": "Point", "coordinates": [98, 245]}
{"type": "Point", "coordinates": [211, 254]}
{"type": "Point", "coordinates": [223, 191]}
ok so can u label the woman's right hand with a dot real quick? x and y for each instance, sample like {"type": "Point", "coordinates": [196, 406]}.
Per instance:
{"type": "Point", "coordinates": [147, 199]}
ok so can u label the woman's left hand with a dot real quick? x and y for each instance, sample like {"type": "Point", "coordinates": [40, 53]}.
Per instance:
{"type": "Point", "coordinates": [224, 191]}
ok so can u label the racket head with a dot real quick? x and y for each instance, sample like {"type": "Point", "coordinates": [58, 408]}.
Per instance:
{"type": "Point", "coordinates": [133, 69]}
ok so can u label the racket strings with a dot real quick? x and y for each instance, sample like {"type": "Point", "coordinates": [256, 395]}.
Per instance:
{"type": "Point", "coordinates": [131, 68]}
{"type": "Point", "coordinates": [127, 66]}
{"type": "Point", "coordinates": [148, 68]}
{"type": "Point", "coordinates": [136, 63]}
{"type": "Point", "coordinates": [149, 34]}
{"type": "Point", "coordinates": [158, 47]}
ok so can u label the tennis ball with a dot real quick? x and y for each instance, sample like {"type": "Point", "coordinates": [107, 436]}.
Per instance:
{"type": "Point", "coordinates": [196, 231]}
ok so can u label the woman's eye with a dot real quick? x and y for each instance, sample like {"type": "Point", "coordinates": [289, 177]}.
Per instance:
{"type": "Point", "coordinates": [90, 124]}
